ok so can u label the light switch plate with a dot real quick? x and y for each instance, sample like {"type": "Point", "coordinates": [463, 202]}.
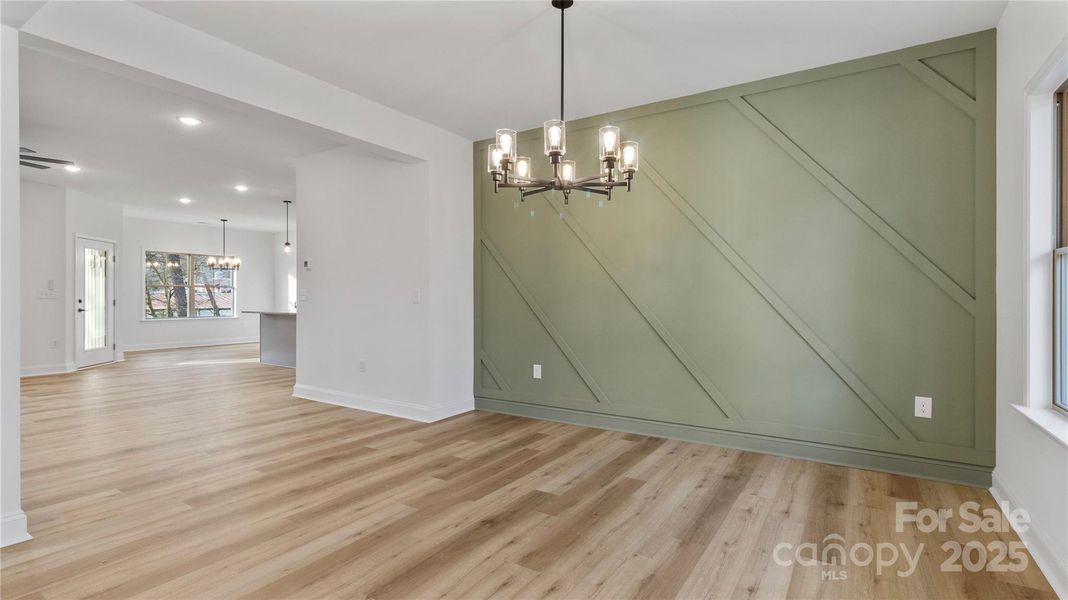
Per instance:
{"type": "Point", "coordinates": [537, 371]}
{"type": "Point", "coordinates": [924, 407]}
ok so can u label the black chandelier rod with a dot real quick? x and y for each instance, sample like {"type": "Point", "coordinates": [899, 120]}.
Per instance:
{"type": "Point", "coordinates": [287, 220]}
{"type": "Point", "coordinates": [562, 7]}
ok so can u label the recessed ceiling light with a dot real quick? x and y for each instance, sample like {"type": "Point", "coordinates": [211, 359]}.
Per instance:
{"type": "Point", "coordinates": [184, 200]}
{"type": "Point", "coordinates": [241, 187]}
{"type": "Point", "coordinates": [72, 168]}
{"type": "Point", "coordinates": [189, 121]}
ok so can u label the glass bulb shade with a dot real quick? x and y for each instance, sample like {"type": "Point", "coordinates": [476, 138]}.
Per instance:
{"type": "Point", "coordinates": [555, 137]}
{"type": "Point", "coordinates": [506, 141]}
{"type": "Point", "coordinates": [212, 261]}
{"type": "Point", "coordinates": [567, 170]}
{"type": "Point", "coordinates": [628, 156]}
{"type": "Point", "coordinates": [608, 137]}
{"type": "Point", "coordinates": [287, 248]}
{"type": "Point", "coordinates": [493, 158]}
{"type": "Point", "coordinates": [522, 168]}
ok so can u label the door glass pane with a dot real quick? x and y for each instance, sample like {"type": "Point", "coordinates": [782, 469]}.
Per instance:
{"type": "Point", "coordinates": [95, 295]}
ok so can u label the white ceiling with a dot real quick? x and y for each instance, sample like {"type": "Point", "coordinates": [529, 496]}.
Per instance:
{"type": "Point", "coordinates": [468, 67]}
{"type": "Point", "coordinates": [125, 136]}
{"type": "Point", "coordinates": [471, 67]}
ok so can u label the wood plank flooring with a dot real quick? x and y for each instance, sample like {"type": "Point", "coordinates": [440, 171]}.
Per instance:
{"type": "Point", "coordinates": [194, 474]}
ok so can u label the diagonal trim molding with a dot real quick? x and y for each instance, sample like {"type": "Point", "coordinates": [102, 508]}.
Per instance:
{"type": "Point", "coordinates": [714, 394]}
{"type": "Point", "coordinates": [495, 373]}
{"type": "Point", "coordinates": [940, 85]}
{"type": "Point", "coordinates": [551, 329]}
{"type": "Point", "coordinates": [779, 305]}
{"type": "Point", "coordinates": [866, 214]}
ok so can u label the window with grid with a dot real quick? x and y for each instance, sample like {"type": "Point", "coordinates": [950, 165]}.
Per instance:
{"type": "Point", "coordinates": [1060, 255]}
{"type": "Point", "coordinates": [182, 286]}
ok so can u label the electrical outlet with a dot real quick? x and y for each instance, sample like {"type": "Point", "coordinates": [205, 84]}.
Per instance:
{"type": "Point", "coordinates": [417, 297]}
{"type": "Point", "coordinates": [363, 366]}
{"type": "Point", "coordinates": [537, 371]}
{"type": "Point", "coordinates": [54, 345]}
{"type": "Point", "coordinates": [924, 407]}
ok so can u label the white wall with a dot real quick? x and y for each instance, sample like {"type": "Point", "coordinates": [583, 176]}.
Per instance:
{"type": "Point", "coordinates": [285, 273]}
{"type": "Point", "coordinates": [13, 528]}
{"type": "Point", "coordinates": [132, 36]}
{"type": "Point", "coordinates": [365, 239]}
{"type": "Point", "coordinates": [1032, 465]}
{"type": "Point", "coordinates": [43, 265]}
{"type": "Point", "coordinates": [255, 284]}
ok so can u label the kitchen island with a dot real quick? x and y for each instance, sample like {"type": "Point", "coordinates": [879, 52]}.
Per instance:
{"type": "Point", "coordinates": [278, 337]}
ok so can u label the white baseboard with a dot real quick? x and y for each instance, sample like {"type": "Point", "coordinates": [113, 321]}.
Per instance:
{"type": "Point", "coordinates": [186, 344]}
{"type": "Point", "coordinates": [36, 371]}
{"type": "Point", "coordinates": [13, 529]}
{"type": "Point", "coordinates": [385, 406]}
{"type": "Point", "coordinates": [1048, 561]}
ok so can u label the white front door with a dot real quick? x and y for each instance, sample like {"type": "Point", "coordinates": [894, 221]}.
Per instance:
{"type": "Point", "coordinates": [94, 306]}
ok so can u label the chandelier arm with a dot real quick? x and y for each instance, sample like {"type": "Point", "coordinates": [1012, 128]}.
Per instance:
{"type": "Point", "coordinates": [532, 192]}
{"type": "Point", "coordinates": [591, 190]}
{"type": "Point", "coordinates": [527, 183]}
{"type": "Point", "coordinates": [585, 180]}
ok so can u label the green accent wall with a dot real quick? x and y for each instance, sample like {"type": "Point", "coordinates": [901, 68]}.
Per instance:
{"type": "Point", "coordinates": [798, 259]}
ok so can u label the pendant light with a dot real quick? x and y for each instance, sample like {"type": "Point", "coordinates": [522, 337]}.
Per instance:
{"type": "Point", "coordinates": [287, 247]}
{"type": "Point", "coordinates": [224, 262]}
{"type": "Point", "coordinates": [510, 170]}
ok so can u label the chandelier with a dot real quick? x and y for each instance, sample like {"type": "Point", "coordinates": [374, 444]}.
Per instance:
{"type": "Point", "coordinates": [619, 159]}
{"type": "Point", "coordinates": [287, 247]}
{"type": "Point", "coordinates": [224, 262]}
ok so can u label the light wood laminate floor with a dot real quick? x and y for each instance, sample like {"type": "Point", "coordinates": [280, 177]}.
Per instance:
{"type": "Point", "coordinates": [194, 474]}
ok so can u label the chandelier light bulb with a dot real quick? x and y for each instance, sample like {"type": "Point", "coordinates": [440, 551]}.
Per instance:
{"type": "Point", "coordinates": [609, 137]}
{"type": "Point", "coordinates": [522, 167]}
{"type": "Point", "coordinates": [506, 143]}
{"type": "Point", "coordinates": [567, 170]}
{"type": "Point", "coordinates": [493, 158]}
{"type": "Point", "coordinates": [555, 137]}
{"type": "Point", "coordinates": [629, 161]}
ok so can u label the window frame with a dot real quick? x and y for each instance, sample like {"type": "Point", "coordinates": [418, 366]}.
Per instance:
{"type": "Point", "coordinates": [191, 286]}
{"type": "Point", "coordinates": [1060, 252]}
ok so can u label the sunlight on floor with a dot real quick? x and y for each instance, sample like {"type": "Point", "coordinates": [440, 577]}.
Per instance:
{"type": "Point", "coordinates": [218, 362]}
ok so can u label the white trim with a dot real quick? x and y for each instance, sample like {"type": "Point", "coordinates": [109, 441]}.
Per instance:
{"type": "Point", "coordinates": [1049, 420]}
{"type": "Point", "coordinates": [96, 238]}
{"type": "Point", "coordinates": [189, 344]}
{"type": "Point", "coordinates": [13, 529]}
{"type": "Point", "coordinates": [174, 319]}
{"type": "Point", "coordinates": [37, 371]}
{"type": "Point", "coordinates": [1052, 566]}
{"type": "Point", "coordinates": [384, 406]}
